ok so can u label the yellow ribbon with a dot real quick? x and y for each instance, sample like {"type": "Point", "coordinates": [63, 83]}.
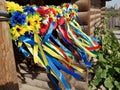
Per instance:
{"type": "Point", "coordinates": [36, 37]}
{"type": "Point", "coordinates": [55, 55]}
{"type": "Point", "coordinates": [79, 28]}
{"type": "Point", "coordinates": [81, 45]}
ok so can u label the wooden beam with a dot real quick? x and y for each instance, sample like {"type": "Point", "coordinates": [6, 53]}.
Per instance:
{"type": "Point", "coordinates": [83, 5]}
{"type": "Point", "coordinates": [84, 17]}
{"type": "Point", "coordinates": [8, 77]}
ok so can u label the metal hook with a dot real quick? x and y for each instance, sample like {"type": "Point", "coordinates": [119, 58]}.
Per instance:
{"type": "Point", "coordinates": [5, 14]}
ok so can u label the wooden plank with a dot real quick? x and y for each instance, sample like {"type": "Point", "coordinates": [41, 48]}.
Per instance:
{"type": "Point", "coordinates": [8, 77]}
{"type": "Point", "coordinates": [103, 8]}
{"type": "Point", "coordinates": [95, 21]}
{"type": "Point", "coordinates": [94, 11]}
{"type": "Point", "coordinates": [28, 87]}
{"type": "Point", "coordinates": [40, 76]}
{"type": "Point", "coordinates": [39, 84]}
{"type": "Point", "coordinates": [103, 12]}
{"type": "Point", "coordinates": [95, 16]}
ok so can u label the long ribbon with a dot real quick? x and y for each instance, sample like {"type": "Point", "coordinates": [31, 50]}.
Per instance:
{"type": "Point", "coordinates": [55, 55]}
{"type": "Point", "coordinates": [48, 34]}
{"type": "Point", "coordinates": [79, 44]}
{"type": "Point", "coordinates": [56, 71]}
{"type": "Point", "coordinates": [81, 32]}
{"type": "Point", "coordinates": [20, 47]}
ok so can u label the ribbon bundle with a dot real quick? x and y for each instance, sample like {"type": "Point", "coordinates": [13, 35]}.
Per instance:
{"type": "Point", "coordinates": [33, 28]}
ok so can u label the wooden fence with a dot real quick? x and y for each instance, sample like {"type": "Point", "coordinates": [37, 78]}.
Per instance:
{"type": "Point", "coordinates": [113, 22]}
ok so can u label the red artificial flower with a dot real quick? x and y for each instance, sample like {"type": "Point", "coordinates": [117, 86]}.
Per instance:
{"type": "Point", "coordinates": [67, 5]}
{"type": "Point", "coordinates": [43, 29]}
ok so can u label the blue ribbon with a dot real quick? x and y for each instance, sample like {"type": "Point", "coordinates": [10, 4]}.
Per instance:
{"type": "Point", "coordinates": [58, 42]}
{"type": "Point", "coordinates": [80, 33]}
{"type": "Point", "coordinates": [49, 33]}
{"type": "Point", "coordinates": [26, 53]}
{"type": "Point", "coordinates": [60, 66]}
{"type": "Point", "coordinates": [54, 81]}
{"type": "Point", "coordinates": [57, 72]}
{"type": "Point", "coordinates": [95, 39]}
{"type": "Point", "coordinates": [27, 40]}
{"type": "Point", "coordinates": [84, 57]}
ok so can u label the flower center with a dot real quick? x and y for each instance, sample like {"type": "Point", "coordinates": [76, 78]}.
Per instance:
{"type": "Point", "coordinates": [36, 21]}
{"type": "Point", "coordinates": [28, 23]}
{"type": "Point", "coordinates": [18, 29]}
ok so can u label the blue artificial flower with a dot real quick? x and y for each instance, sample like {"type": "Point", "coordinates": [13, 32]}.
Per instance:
{"type": "Point", "coordinates": [17, 18]}
{"type": "Point", "coordinates": [29, 10]}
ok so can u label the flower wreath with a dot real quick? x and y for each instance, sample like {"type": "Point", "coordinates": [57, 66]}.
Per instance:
{"type": "Point", "coordinates": [33, 26]}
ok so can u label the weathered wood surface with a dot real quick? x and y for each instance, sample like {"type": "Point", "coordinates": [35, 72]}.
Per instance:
{"type": "Point", "coordinates": [8, 77]}
{"type": "Point", "coordinates": [39, 80]}
{"type": "Point", "coordinates": [113, 22]}
{"type": "Point", "coordinates": [83, 5]}
{"type": "Point", "coordinates": [84, 17]}
{"type": "Point", "coordinates": [117, 35]}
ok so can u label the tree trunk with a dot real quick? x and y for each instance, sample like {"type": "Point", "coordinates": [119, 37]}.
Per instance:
{"type": "Point", "coordinates": [8, 76]}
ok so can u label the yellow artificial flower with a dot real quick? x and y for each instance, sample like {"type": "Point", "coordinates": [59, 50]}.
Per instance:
{"type": "Point", "coordinates": [17, 31]}
{"type": "Point", "coordinates": [12, 6]}
{"type": "Point", "coordinates": [30, 23]}
{"type": "Point", "coordinates": [58, 10]}
{"type": "Point", "coordinates": [37, 21]}
{"type": "Point", "coordinates": [34, 22]}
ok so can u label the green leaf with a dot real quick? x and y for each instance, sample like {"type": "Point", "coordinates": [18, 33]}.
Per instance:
{"type": "Point", "coordinates": [107, 67]}
{"type": "Point", "coordinates": [108, 83]}
{"type": "Point", "coordinates": [102, 59]}
{"type": "Point", "coordinates": [104, 73]}
{"type": "Point", "coordinates": [117, 69]}
{"type": "Point", "coordinates": [96, 81]}
{"type": "Point", "coordinates": [98, 72]}
{"type": "Point", "coordinates": [117, 84]}
{"type": "Point", "coordinates": [90, 88]}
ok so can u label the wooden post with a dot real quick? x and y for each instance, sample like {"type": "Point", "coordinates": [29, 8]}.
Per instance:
{"type": "Point", "coordinates": [8, 76]}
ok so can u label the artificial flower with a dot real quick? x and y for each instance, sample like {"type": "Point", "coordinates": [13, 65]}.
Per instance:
{"type": "Point", "coordinates": [37, 20]}
{"type": "Point", "coordinates": [43, 29]}
{"type": "Point", "coordinates": [58, 11]}
{"type": "Point", "coordinates": [34, 21]}
{"type": "Point", "coordinates": [29, 10]}
{"type": "Point", "coordinates": [17, 18]}
{"type": "Point", "coordinates": [12, 7]}
{"type": "Point", "coordinates": [30, 22]}
{"type": "Point", "coordinates": [17, 31]}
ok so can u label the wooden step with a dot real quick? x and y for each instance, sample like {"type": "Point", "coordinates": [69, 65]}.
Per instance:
{"type": "Point", "coordinates": [117, 36]}
{"type": "Point", "coordinates": [116, 32]}
{"type": "Point", "coordinates": [39, 84]}
{"type": "Point", "coordinates": [29, 87]}
{"type": "Point", "coordinates": [40, 80]}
